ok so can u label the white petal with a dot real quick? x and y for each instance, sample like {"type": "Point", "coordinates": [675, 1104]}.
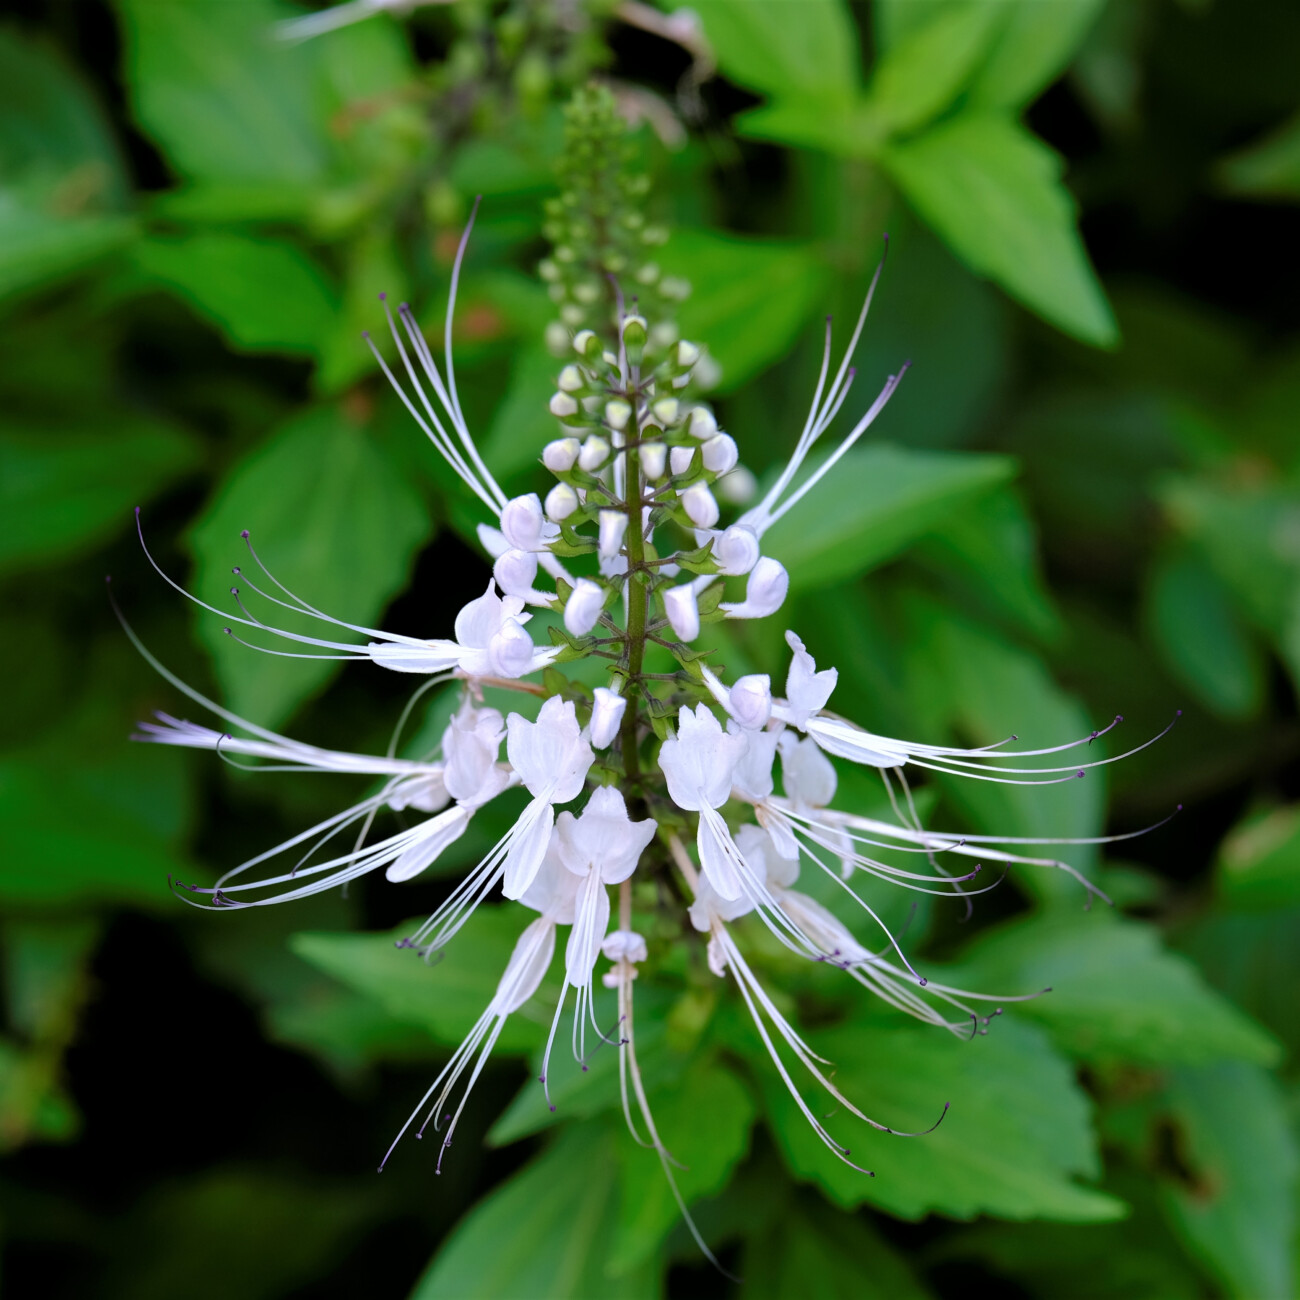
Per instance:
{"type": "Point", "coordinates": [527, 967]}
{"type": "Point", "coordinates": [436, 657]}
{"type": "Point", "coordinates": [438, 832]}
{"type": "Point", "coordinates": [718, 857]}
{"type": "Point", "coordinates": [524, 857]}
{"type": "Point", "coordinates": [590, 921]}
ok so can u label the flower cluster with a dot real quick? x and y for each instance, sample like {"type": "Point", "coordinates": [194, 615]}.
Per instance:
{"type": "Point", "coordinates": [621, 779]}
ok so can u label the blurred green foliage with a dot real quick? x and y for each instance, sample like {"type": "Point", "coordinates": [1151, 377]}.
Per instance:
{"type": "Point", "coordinates": [1086, 496]}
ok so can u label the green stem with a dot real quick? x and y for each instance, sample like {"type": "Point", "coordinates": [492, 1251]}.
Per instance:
{"type": "Point", "coordinates": [638, 597]}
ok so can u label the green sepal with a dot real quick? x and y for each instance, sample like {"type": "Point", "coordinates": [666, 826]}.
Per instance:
{"type": "Point", "coordinates": [710, 598]}
{"type": "Point", "coordinates": [698, 561]}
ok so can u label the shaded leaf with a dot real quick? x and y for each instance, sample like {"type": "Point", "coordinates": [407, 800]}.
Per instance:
{"type": "Point", "coordinates": [334, 521]}
{"type": "Point", "coordinates": [1015, 1139]}
{"type": "Point", "coordinates": [877, 501]}
{"type": "Point", "coordinates": [1116, 994]}
{"type": "Point", "coordinates": [994, 192]}
{"type": "Point", "coordinates": [1268, 169]}
{"type": "Point", "coordinates": [1259, 862]}
{"type": "Point", "coordinates": [542, 1234]}
{"type": "Point", "coordinates": [264, 295]}
{"type": "Point", "coordinates": [1236, 1209]}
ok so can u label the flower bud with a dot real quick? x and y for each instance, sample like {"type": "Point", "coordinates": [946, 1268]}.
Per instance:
{"type": "Point", "coordinates": [721, 455]}
{"type": "Point", "coordinates": [680, 459]}
{"type": "Point", "coordinates": [765, 592]}
{"type": "Point", "coordinates": [570, 380]}
{"type": "Point", "coordinates": [687, 354]}
{"type": "Point", "coordinates": [563, 406]}
{"type": "Point", "coordinates": [522, 522]}
{"type": "Point", "coordinates": [654, 459]}
{"type": "Point", "coordinates": [701, 509]}
{"type": "Point", "coordinates": [683, 611]}
{"type": "Point", "coordinates": [586, 344]}
{"type": "Point", "coordinates": [702, 425]}
{"type": "Point", "coordinates": [515, 572]}
{"type": "Point", "coordinates": [510, 651]}
{"type": "Point", "coordinates": [559, 456]}
{"type": "Point", "coordinates": [613, 524]}
{"type": "Point", "coordinates": [624, 945]}
{"type": "Point", "coordinates": [617, 413]}
{"type": "Point", "coordinates": [736, 551]}
{"type": "Point", "coordinates": [595, 451]}
{"type": "Point", "coordinates": [666, 410]}
{"type": "Point", "coordinates": [751, 701]}
{"type": "Point", "coordinates": [561, 502]}
{"type": "Point", "coordinates": [606, 717]}
{"type": "Point", "coordinates": [583, 607]}
{"type": "Point", "coordinates": [634, 331]}
{"type": "Point", "coordinates": [739, 487]}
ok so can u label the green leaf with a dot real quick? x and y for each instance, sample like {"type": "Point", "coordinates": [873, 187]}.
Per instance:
{"type": "Point", "coordinates": [1268, 169]}
{"type": "Point", "coordinates": [989, 549]}
{"type": "Point", "coordinates": [1202, 638]}
{"type": "Point", "coordinates": [1259, 862]}
{"type": "Point", "coordinates": [758, 46]}
{"type": "Point", "coordinates": [877, 501]}
{"type": "Point", "coordinates": [1236, 1208]}
{"type": "Point", "coordinates": [917, 78]}
{"type": "Point", "coordinates": [446, 997]}
{"type": "Point", "coordinates": [1116, 993]}
{"type": "Point", "coordinates": [334, 521]}
{"type": "Point", "coordinates": [543, 1234]}
{"type": "Point", "coordinates": [264, 295]}
{"type": "Point", "coordinates": [1035, 44]}
{"type": "Point", "coordinates": [820, 1255]}
{"type": "Point", "coordinates": [994, 192]}
{"type": "Point", "coordinates": [36, 250]}
{"type": "Point", "coordinates": [63, 491]}
{"type": "Point", "coordinates": [704, 1119]}
{"type": "Point", "coordinates": [1017, 1134]}
{"type": "Point", "coordinates": [225, 99]}
{"type": "Point", "coordinates": [372, 267]}
{"type": "Point", "coordinates": [751, 297]}
{"type": "Point", "coordinates": [522, 424]}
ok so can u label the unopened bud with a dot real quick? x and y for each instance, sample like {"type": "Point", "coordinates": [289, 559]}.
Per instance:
{"type": "Point", "coordinates": [594, 453]}
{"type": "Point", "coordinates": [751, 701]}
{"type": "Point", "coordinates": [561, 455]}
{"type": "Point", "coordinates": [617, 413]}
{"type": "Point", "coordinates": [688, 354]}
{"type": "Point", "coordinates": [515, 572]}
{"type": "Point", "coordinates": [583, 607]}
{"type": "Point", "coordinates": [654, 459]}
{"type": "Point", "coordinates": [624, 945]}
{"type": "Point", "coordinates": [570, 380]}
{"type": "Point", "coordinates": [613, 524]}
{"type": "Point", "coordinates": [739, 487]}
{"type": "Point", "coordinates": [522, 522]}
{"type": "Point", "coordinates": [736, 551]}
{"type": "Point", "coordinates": [634, 331]}
{"type": "Point", "coordinates": [683, 611]}
{"type": "Point", "coordinates": [606, 717]}
{"type": "Point", "coordinates": [666, 410]}
{"type": "Point", "coordinates": [766, 590]}
{"type": "Point", "coordinates": [702, 424]}
{"type": "Point", "coordinates": [680, 459]}
{"type": "Point", "coordinates": [721, 455]}
{"type": "Point", "coordinates": [561, 502]}
{"type": "Point", "coordinates": [701, 509]}
{"type": "Point", "coordinates": [563, 406]}
{"type": "Point", "coordinates": [586, 344]}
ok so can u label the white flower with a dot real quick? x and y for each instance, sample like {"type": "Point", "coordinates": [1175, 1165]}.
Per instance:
{"type": "Point", "coordinates": [654, 459]}
{"type": "Point", "coordinates": [749, 701]}
{"type": "Point", "coordinates": [679, 460]}
{"type": "Point", "coordinates": [606, 717]}
{"type": "Point", "coordinates": [525, 526]}
{"type": "Point", "coordinates": [683, 611]}
{"type": "Point", "coordinates": [735, 550]}
{"type": "Point", "coordinates": [764, 593]}
{"type": "Point", "coordinates": [700, 506]}
{"type": "Point", "coordinates": [613, 524]}
{"type": "Point", "coordinates": [561, 502]}
{"type": "Point", "coordinates": [720, 454]}
{"type": "Point", "coordinates": [551, 759]}
{"type": "Point", "coordinates": [561, 455]}
{"type": "Point", "coordinates": [582, 610]}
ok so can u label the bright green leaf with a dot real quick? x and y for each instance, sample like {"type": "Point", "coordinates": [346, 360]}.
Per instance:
{"type": "Point", "coordinates": [63, 491]}
{"type": "Point", "coordinates": [523, 425]}
{"type": "Point", "coordinates": [36, 249]}
{"type": "Point", "coordinates": [1236, 1211]}
{"type": "Point", "coordinates": [1116, 993]}
{"type": "Point", "coordinates": [877, 501]}
{"type": "Point", "coordinates": [446, 997]}
{"type": "Point", "coordinates": [750, 297]}
{"type": "Point", "coordinates": [994, 192]}
{"type": "Point", "coordinates": [542, 1235]}
{"type": "Point", "coordinates": [372, 267]}
{"type": "Point", "coordinates": [1202, 637]}
{"type": "Point", "coordinates": [767, 47]}
{"type": "Point", "coordinates": [334, 521]}
{"type": "Point", "coordinates": [917, 78]}
{"type": "Point", "coordinates": [264, 295]}
{"type": "Point", "coordinates": [1016, 1136]}
{"type": "Point", "coordinates": [703, 1118]}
